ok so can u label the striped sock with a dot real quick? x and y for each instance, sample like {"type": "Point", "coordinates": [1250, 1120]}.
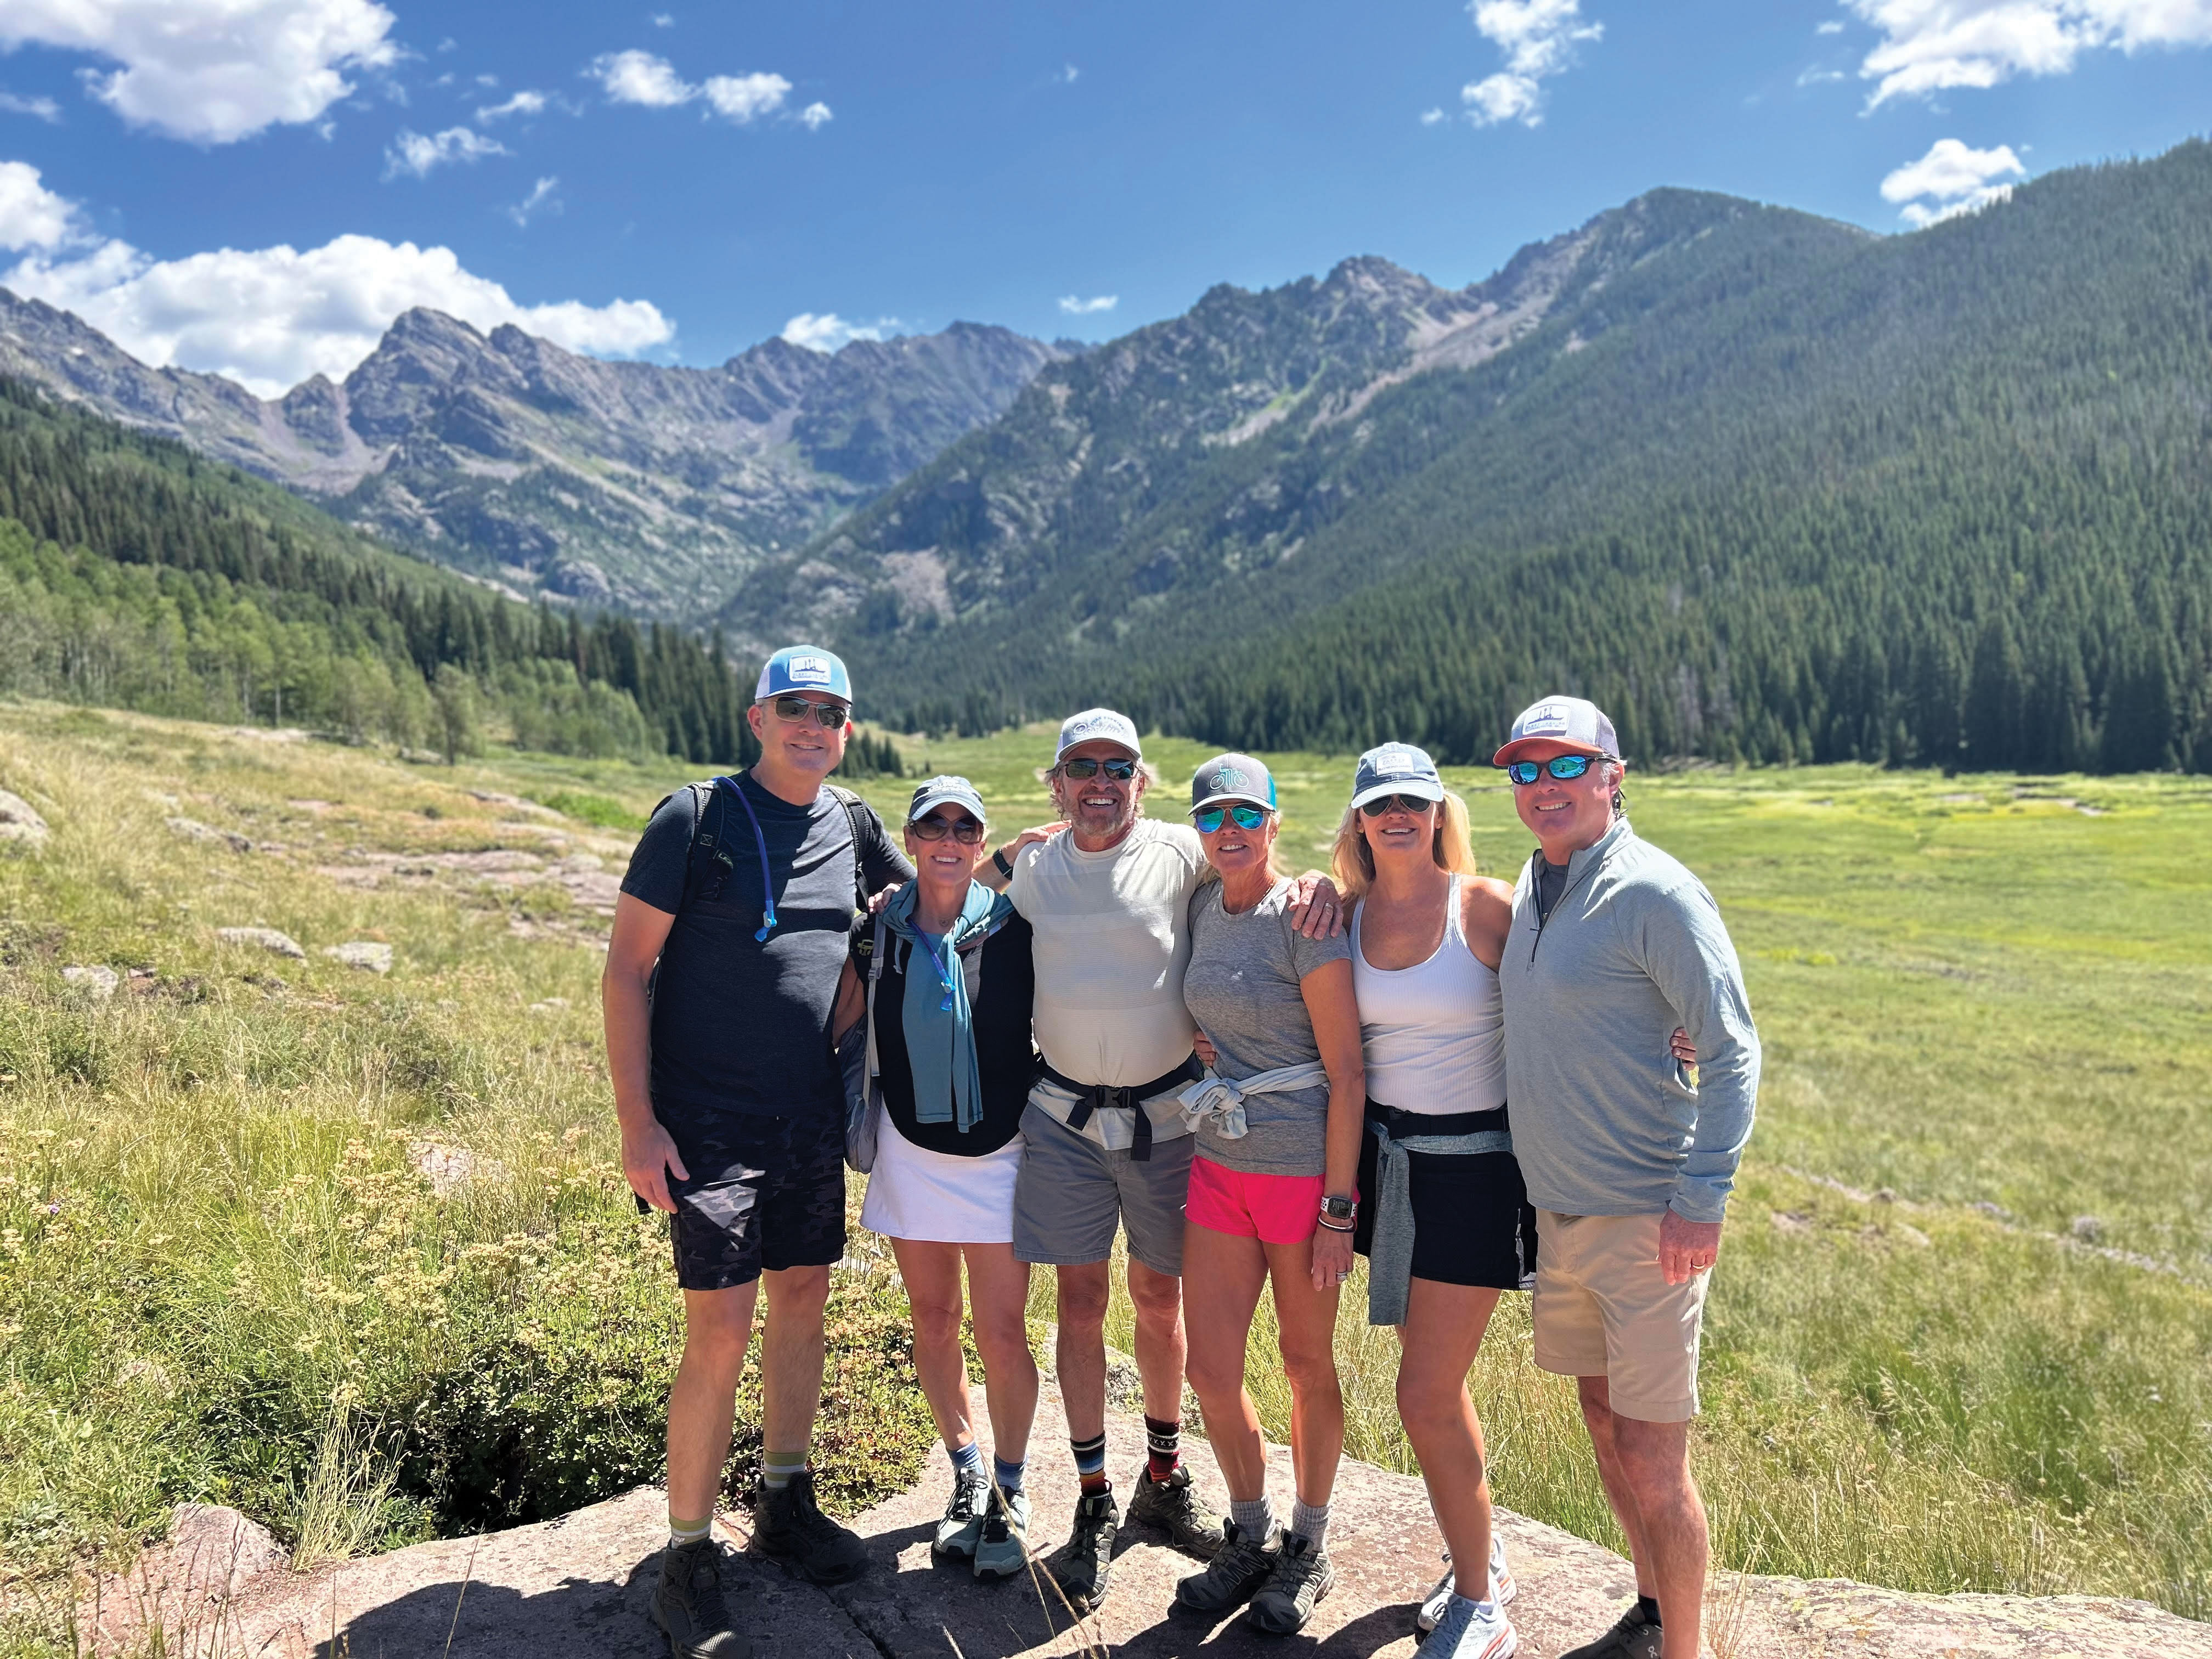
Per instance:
{"type": "Point", "coordinates": [1162, 1447]}
{"type": "Point", "coordinates": [1254, 1517]}
{"type": "Point", "coordinates": [687, 1532]}
{"type": "Point", "coordinates": [778, 1467]}
{"type": "Point", "coordinates": [1310, 1522]}
{"type": "Point", "coordinates": [1090, 1464]}
{"type": "Point", "coordinates": [967, 1461]}
{"type": "Point", "coordinates": [1009, 1475]}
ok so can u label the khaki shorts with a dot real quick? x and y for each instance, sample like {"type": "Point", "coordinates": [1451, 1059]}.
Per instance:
{"type": "Point", "coordinates": [1603, 1308]}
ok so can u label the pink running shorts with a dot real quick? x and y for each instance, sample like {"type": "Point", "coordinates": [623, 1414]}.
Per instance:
{"type": "Point", "coordinates": [1275, 1209]}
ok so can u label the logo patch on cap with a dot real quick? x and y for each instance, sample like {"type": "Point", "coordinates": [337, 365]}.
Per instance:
{"type": "Point", "coordinates": [1545, 717]}
{"type": "Point", "coordinates": [1230, 777]}
{"type": "Point", "coordinates": [808, 671]}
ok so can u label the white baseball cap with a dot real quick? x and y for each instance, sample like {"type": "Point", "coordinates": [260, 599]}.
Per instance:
{"type": "Point", "coordinates": [1097, 726]}
{"type": "Point", "coordinates": [1573, 721]}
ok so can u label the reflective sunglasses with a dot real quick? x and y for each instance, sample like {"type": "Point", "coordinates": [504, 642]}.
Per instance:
{"type": "Point", "coordinates": [1208, 818]}
{"type": "Point", "coordinates": [1117, 769]}
{"type": "Point", "coordinates": [964, 829]}
{"type": "Point", "coordinates": [1413, 804]}
{"type": "Point", "coordinates": [1562, 767]}
{"type": "Point", "coordinates": [832, 715]}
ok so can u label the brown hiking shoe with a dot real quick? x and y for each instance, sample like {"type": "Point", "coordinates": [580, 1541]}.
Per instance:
{"type": "Point", "coordinates": [688, 1605]}
{"type": "Point", "coordinates": [790, 1527]}
{"type": "Point", "coordinates": [1172, 1505]}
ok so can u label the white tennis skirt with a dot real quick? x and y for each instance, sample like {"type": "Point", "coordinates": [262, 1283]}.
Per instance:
{"type": "Point", "coordinates": [934, 1197]}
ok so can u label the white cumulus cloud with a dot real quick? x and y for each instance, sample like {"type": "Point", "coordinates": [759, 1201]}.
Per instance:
{"type": "Point", "coordinates": [1431, 118]}
{"type": "Point", "coordinates": [826, 330]}
{"type": "Point", "coordinates": [639, 77]}
{"type": "Point", "coordinates": [210, 70]}
{"type": "Point", "coordinates": [270, 317]}
{"type": "Point", "coordinates": [1928, 45]}
{"type": "Point", "coordinates": [523, 103]}
{"type": "Point", "coordinates": [1951, 179]}
{"type": "Point", "coordinates": [1830, 26]}
{"type": "Point", "coordinates": [541, 199]}
{"type": "Point", "coordinates": [45, 109]}
{"type": "Point", "coordinates": [416, 153]}
{"type": "Point", "coordinates": [1079, 308]}
{"type": "Point", "coordinates": [1538, 38]}
{"type": "Point", "coordinates": [815, 116]}
{"type": "Point", "coordinates": [744, 98]}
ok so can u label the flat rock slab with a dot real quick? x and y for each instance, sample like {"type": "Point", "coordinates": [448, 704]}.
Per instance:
{"type": "Point", "coordinates": [577, 1587]}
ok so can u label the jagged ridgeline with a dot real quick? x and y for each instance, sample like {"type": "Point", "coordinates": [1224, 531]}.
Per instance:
{"type": "Point", "coordinates": [1768, 487]}
{"type": "Point", "coordinates": [136, 574]}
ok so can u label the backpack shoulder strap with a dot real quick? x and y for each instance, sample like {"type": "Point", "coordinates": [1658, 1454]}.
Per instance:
{"type": "Point", "coordinates": [703, 834]}
{"type": "Point", "coordinates": [853, 806]}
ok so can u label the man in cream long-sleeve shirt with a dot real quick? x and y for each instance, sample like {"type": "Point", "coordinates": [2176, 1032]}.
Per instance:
{"type": "Point", "coordinates": [1628, 1155]}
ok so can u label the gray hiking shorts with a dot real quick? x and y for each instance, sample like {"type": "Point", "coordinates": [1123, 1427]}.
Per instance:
{"type": "Point", "coordinates": [1072, 1195]}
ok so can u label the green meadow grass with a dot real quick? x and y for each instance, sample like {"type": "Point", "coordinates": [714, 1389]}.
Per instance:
{"type": "Point", "coordinates": [222, 1275]}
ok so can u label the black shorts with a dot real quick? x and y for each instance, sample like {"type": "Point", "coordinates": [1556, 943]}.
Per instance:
{"type": "Point", "coordinates": [762, 1193]}
{"type": "Point", "coordinates": [1473, 1223]}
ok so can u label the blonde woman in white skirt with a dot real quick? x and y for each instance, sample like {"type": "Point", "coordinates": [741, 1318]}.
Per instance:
{"type": "Point", "coordinates": [946, 971]}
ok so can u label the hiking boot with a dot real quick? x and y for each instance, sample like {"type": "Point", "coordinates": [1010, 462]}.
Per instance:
{"type": "Point", "coordinates": [1302, 1577]}
{"type": "Point", "coordinates": [1241, 1562]}
{"type": "Point", "coordinates": [1501, 1587]}
{"type": "Point", "coordinates": [1172, 1505]}
{"type": "Point", "coordinates": [1632, 1637]}
{"type": "Point", "coordinates": [790, 1527]}
{"type": "Point", "coordinates": [1471, 1630]}
{"type": "Point", "coordinates": [964, 1517]}
{"type": "Point", "coordinates": [1002, 1550]}
{"type": "Point", "coordinates": [1083, 1564]}
{"type": "Point", "coordinates": [688, 1606]}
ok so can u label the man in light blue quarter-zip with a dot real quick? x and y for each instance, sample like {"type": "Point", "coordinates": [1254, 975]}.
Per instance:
{"type": "Point", "coordinates": [1629, 1156]}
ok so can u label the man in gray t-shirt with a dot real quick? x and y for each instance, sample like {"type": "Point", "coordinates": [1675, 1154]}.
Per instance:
{"type": "Point", "coordinates": [1242, 988]}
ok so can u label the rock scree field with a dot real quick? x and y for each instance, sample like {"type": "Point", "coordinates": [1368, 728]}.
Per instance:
{"type": "Point", "coordinates": [309, 1205]}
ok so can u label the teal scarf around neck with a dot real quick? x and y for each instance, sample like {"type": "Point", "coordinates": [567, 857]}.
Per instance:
{"type": "Point", "coordinates": [940, 1041]}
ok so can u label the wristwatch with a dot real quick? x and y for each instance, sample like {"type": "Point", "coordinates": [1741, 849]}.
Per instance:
{"type": "Point", "coordinates": [1341, 1210]}
{"type": "Point", "coordinates": [999, 858]}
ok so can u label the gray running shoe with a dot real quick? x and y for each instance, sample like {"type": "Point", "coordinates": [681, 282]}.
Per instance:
{"type": "Point", "coordinates": [1302, 1577]}
{"type": "Point", "coordinates": [1501, 1587]}
{"type": "Point", "coordinates": [1084, 1564]}
{"type": "Point", "coordinates": [1002, 1550]}
{"type": "Point", "coordinates": [688, 1605]}
{"type": "Point", "coordinates": [1172, 1505]}
{"type": "Point", "coordinates": [1471, 1630]}
{"type": "Point", "coordinates": [1632, 1637]}
{"type": "Point", "coordinates": [1241, 1562]}
{"type": "Point", "coordinates": [790, 1527]}
{"type": "Point", "coordinates": [964, 1517]}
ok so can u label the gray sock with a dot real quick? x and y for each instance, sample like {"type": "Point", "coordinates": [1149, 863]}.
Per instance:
{"type": "Point", "coordinates": [1254, 1519]}
{"type": "Point", "coordinates": [1310, 1522]}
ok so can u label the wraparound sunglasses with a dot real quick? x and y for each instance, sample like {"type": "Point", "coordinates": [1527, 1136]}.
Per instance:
{"type": "Point", "coordinates": [1121, 770]}
{"type": "Point", "coordinates": [1562, 767]}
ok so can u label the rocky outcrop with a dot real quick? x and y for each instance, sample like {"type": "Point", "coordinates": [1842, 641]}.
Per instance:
{"type": "Point", "coordinates": [20, 823]}
{"type": "Point", "coordinates": [577, 1587]}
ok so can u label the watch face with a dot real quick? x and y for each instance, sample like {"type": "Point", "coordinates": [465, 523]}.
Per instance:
{"type": "Point", "coordinates": [1337, 1209]}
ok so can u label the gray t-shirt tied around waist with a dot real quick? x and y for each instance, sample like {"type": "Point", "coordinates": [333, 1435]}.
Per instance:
{"type": "Point", "coordinates": [1242, 988]}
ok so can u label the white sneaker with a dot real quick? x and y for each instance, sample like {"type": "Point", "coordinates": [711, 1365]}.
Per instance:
{"type": "Point", "coordinates": [1501, 1587]}
{"type": "Point", "coordinates": [1471, 1630]}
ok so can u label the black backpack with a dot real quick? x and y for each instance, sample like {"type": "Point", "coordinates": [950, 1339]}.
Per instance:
{"type": "Point", "coordinates": [710, 810]}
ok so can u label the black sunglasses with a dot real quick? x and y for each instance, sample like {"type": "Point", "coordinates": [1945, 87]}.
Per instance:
{"type": "Point", "coordinates": [1413, 804]}
{"type": "Point", "coordinates": [832, 715]}
{"type": "Point", "coordinates": [1120, 769]}
{"type": "Point", "coordinates": [1562, 767]}
{"type": "Point", "coordinates": [964, 829]}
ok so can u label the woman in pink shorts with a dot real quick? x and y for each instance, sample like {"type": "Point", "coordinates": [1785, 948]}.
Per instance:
{"type": "Point", "coordinates": [1278, 1127]}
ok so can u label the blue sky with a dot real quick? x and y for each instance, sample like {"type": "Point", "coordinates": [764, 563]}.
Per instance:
{"type": "Point", "coordinates": [257, 186]}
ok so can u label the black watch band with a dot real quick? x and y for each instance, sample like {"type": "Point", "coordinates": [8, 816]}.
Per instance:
{"type": "Point", "coordinates": [999, 858]}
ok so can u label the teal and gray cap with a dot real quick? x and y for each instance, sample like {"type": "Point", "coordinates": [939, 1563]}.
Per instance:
{"type": "Point", "coordinates": [937, 791]}
{"type": "Point", "coordinates": [1097, 726]}
{"type": "Point", "coordinates": [804, 668]}
{"type": "Point", "coordinates": [1572, 722]}
{"type": "Point", "coordinates": [1232, 777]}
{"type": "Point", "coordinates": [1395, 768]}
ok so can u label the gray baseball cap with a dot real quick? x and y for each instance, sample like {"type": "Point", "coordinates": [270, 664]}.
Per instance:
{"type": "Point", "coordinates": [1232, 777]}
{"type": "Point", "coordinates": [1097, 726]}
{"type": "Point", "coordinates": [936, 791]}
{"type": "Point", "coordinates": [1395, 768]}
{"type": "Point", "coordinates": [1572, 721]}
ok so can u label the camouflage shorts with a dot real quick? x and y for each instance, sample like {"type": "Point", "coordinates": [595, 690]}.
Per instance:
{"type": "Point", "coordinates": [762, 1193]}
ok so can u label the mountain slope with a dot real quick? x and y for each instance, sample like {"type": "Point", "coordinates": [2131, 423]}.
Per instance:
{"type": "Point", "coordinates": [652, 489]}
{"type": "Point", "coordinates": [1773, 488]}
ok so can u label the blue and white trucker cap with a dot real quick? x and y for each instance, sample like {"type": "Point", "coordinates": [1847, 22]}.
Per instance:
{"type": "Point", "coordinates": [937, 791]}
{"type": "Point", "coordinates": [1097, 726]}
{"type": "Point", "coordinates": [1395, 768]}
{"type": "Point", "coordinates": [1570, 721]}
{"type": "Point", "coordinates": [804, 668]}
{"type": "Point", "coordinates": [1232, 777]}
